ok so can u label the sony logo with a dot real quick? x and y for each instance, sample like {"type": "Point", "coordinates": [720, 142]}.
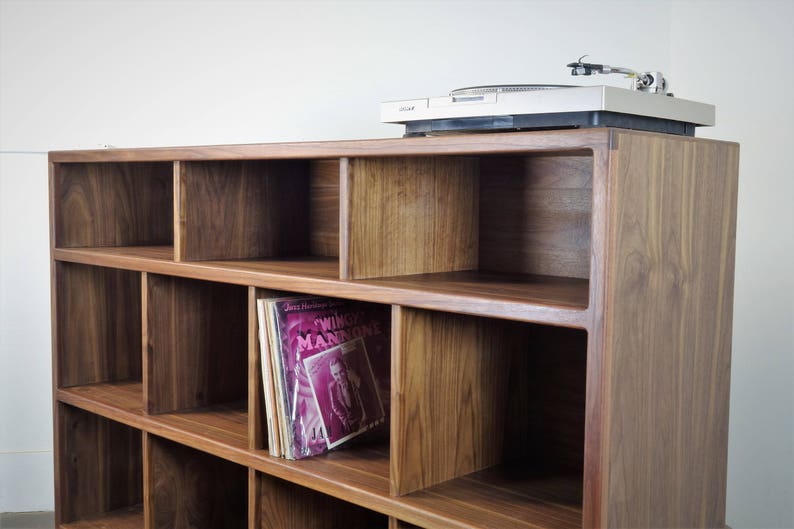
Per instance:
{"type": "Point", "coordinates": [407, 108]}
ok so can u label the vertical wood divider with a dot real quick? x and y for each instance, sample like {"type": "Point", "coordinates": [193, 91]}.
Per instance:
{"type": "Point", "coordinates": [179, 212]}
{"type": "Point", "coordinates": [395, 523]}
{"type": "Point", "coordinates": [254, 495]}
{"type": "Point", "coordinates": [450, 394]}
{"type": "Point", "coordinates": [257, 435]}
{"type": "Point", "coordinates": [596, 458]}
{"type": "Point", "coordinates": [344, 219]}
{"type": "Point", "coordinates": [396, 440]}
{"type": "Point", "coordinates": [145, 364]}
{"type": "Point", "coordinates": [148, 482]}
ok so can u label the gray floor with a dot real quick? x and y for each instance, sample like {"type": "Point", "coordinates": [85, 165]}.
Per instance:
{"type": "Point", "coordinates": [27, 520]}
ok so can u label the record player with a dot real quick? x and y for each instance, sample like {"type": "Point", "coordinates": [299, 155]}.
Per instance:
{"type": "Point", "coordinates": [646, 105]}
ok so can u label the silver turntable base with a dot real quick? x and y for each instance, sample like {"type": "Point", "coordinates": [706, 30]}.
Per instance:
{"type": "Point", "coordinates": [543, 107]}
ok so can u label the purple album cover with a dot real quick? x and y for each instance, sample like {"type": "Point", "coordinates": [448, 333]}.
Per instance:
{"type": "Point", "coordinates": [345, 392]}
{"type": "Point", "coordinates": [308, 326]}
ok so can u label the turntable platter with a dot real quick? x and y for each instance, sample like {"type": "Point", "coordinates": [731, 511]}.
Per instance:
{"type": "Point", "coordinates": [500, 89]}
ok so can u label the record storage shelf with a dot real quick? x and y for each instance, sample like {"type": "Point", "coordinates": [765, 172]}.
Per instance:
{"type": "Point", "coordinates": [561, 323]}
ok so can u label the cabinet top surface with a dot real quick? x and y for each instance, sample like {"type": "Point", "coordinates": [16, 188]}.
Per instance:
{"type": "Point", "coordinates": [438, 145]}
{"type": "Point", "coordinates": [493, 143]}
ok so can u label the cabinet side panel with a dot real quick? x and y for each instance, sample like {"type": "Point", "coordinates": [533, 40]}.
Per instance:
{"type": "Point", "coordinates": [113, 204]}
{"type": "Point", "coordinates": [668, 330]}
{"type": "Point", "coordinates": [411, 216]}
{"type": "Point", "coordinates": [244, 209]}
{"type": "Point", "coordinates": [535, 214]}
{"type": "Point", "coordinates": [98, 313]}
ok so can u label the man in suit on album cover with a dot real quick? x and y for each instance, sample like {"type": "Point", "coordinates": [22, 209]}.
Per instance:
{"type": "Point", "coordinates": [345, 395]}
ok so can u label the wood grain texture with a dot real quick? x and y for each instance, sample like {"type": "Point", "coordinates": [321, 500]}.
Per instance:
{"type": "Point", "coordinates": [99, 324]}
{"type": "Point", "coordinates": [501, 497]}
{"type": "Point", "coordinates": [323, 211]}
{"type": "Point", "coordinates": [242, 209]}
{"type": "Point", "coordinates": [284, 505]}
{"type": "Point", "coordinates": [360, 476]}
{"type": "Point", "coordinates": [668, 330]}
{"type": "Point", "coordinates": [596, 448]}
{"type": "Point", "coordinates": [194, 490]}
{"type": "Point", "coordinates": [562, 140]}
{"type": "Point", "coordinates": [623, 424]}
{"type": "Point", "coordinates": [395, 523]}
{"type": "Point", "coordinates": [450, 376]}
{"type": "Point", "coordinates": [257, 420]}
{"type": "Point", "coordinates": [113, 204]}
{"type": "Point", "coordinates": [197, 343]}
{"type": "Point", "coordinates": [100, 465]}
{"type": "Point", "coordinates": [470, 393]}
{"type": "Point", "coordinates": [545, 299]}
{"type": "Point", "coordinates": [535, 214]}
{"type": "Point", "coordinates": [219, 424]}
{"type": "Point", "coordinates": [546, 399]}
{"type": "Point", "coordinates": [148, 481]}
{"type": "Point", "coordinates": [180, 211]}
{"type": "Point", "coordinates": [410, 216]}
{"type": "Point", "coordinates": [146, 369]}
{"type": "Point", "coordinates": [126, 518]}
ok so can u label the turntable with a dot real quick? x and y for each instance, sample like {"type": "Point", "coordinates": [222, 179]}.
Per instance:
{"type": "Point", "coordinates": [646, 105]}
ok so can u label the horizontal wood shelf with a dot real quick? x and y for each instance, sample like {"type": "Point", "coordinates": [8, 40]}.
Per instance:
{"type": "Point", "coordinates": [128, 518]}
{"type": "Point", "coordinates": [359, 475]}
{"type": "Point", "coordinates": [532, 298]}
{"type": "Point", "coordinates": [505, 497]}
{"type": "Point", "coordinates": [225, 425]}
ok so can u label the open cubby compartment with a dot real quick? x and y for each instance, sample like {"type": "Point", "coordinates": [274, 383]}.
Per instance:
{"type": "Point", "coordinates": [98, 325]}
{"type": "Point", "coordinates": [508, 214]}
{"type": "Point", "coordinates": [99, 471]}
{"type": "Point", "coordinates": [196, 355]}
{"type": "Point", "coordinates": [489, 412]}
{"type": "Point", "coordinates": [321, 329]}
{"type": "Point", "coordinates": [113, 204]}
{"type": "Point", "coordinates": [256, 209]}
{"type": "Point", "coordinates": [279, 504]}
{"type": "Point", "coordinates": [186, 487]}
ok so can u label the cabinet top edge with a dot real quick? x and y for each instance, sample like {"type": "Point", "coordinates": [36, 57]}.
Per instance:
{"type": "Point", "coordinates": [616, 134]}
{"type": "Point", "coordinates": [492, 143]}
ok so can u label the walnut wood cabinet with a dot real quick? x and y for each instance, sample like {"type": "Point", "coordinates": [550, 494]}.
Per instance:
{"type": "Point", "coordinates": [561, 329]}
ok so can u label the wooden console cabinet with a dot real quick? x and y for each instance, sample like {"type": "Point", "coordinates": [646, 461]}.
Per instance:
{"type": "Point", "coordinates": [561, 329]}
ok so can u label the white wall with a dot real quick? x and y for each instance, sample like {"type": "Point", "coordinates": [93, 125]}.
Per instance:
{"type": "Point", "coordinates": [84, 74]}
